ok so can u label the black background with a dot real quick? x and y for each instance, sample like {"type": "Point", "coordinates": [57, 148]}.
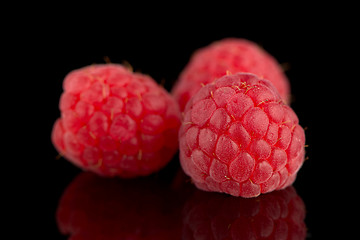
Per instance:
{"type": "Point", "coordinates": [310, 44]}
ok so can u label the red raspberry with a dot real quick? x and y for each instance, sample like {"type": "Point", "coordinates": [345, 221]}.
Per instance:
{"type": "Point", "coordinates": [115, 122]}
{"type": "Point", "coordinates": [94, 208]}
{"type": "Point", "coordinates": [238, 137]}
{"type": "Point", "coordinates": [228, 55]}
{"type": "Point", "coordinates": [277, 215]}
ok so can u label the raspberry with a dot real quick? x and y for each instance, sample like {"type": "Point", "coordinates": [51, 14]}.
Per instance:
{"type": "Point", "coordinates": [228, 55]}
{"type": "Point", "coordinates": [238, 137]}
{"type": "Point", "coordinates": [115, 122]}
{"type": "Point", "coordinates": [93, 207]}
{"type": "Point", "coordinates": [277, 215]}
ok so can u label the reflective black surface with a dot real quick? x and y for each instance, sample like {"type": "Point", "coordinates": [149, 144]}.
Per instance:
{"type": "Point", "coordinates": [160, 207]}
{"type": "Point", "coordinates": [38, 182]}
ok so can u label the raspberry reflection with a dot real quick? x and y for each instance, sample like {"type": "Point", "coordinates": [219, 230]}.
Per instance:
{"type": "Point", "coordinates": [101, 208]}
{"type": "Point", "coordinates": [276, 215]}
{"type": "Point", "coordinates": [156, 208]}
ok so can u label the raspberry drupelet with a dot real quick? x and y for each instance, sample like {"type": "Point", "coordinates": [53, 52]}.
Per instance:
{"type": "Point", "coordinates": [238, 137]}
{"type": "Point", "coordinates": [115, 122]}
{"type": "Point", "coordinates": [233, 55]}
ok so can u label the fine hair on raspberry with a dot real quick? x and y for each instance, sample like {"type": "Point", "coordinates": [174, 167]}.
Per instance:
{"type": "Point", "coordinates": [230, 54]}
{"type": "Point", "coordinates": [239, 137]}
{"type": "Point", "coordinates": [115, 122]}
